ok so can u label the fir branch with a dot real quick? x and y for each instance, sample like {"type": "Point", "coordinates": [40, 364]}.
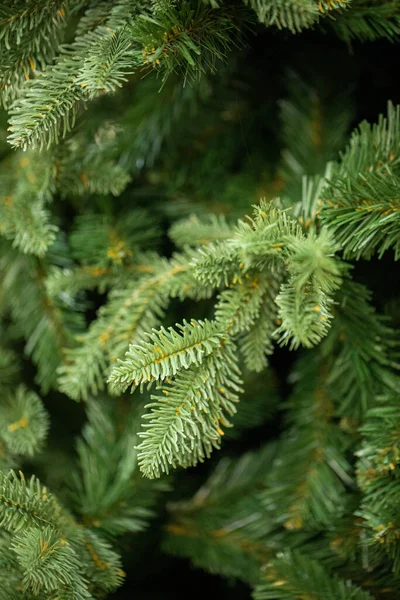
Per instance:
{"type": "Point", "coordinates": [108, 62]}
{"type": "Point", "coordinates": [89, 164]}
{"type": "Point", "coordinates": [186, 422]}
{"type": "Point", "coordinates": [238, 307]}
{"type": "Point", "coordinates": [48, 108]}
{"type": "Point", "coordinates": [258, 405]}
{"type": "Point", "coordinates": [103, 13]}
{"type": "Point", "coordinates": [216, 264]}
{"type": "Point", "coordinates": [67, 281]}
{"type": "Point", "coordinates": [315, 125]}
{"type": "Point", "coordinates": [305, 301]}
{"type": "Point", "coordinates": [305, 315]}
{"type": "Point", "coordinates": [381, 432]}
{"type": "Point", "coordinates": [49, 563]}
{"type": "Point", "coordinates": [372, 148]}
{"type": "Point", "coordinates": [264, 241]}
{"type": "Point", "coordinates": [25, 504]}
{"type": "Point", "coordinates": [185, 37]}
{"type": "Point", "coordinates": [100, 241]}
{"type": "Point", "coordinates": [49, 105]}
{"type": "Point", "coordinates": [312, 259]}
{"type": "Point", "coordinates": [30, 34]}
{"type": "Point", "coordinates": [9, 367]}
{"type": "Point", "coordinates": [166, 353]}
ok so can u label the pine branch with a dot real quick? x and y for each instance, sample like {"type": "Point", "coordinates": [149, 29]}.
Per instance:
{"type": "Point", "coordinates": [186, 422]}
{"type": "Point", "coordinates": [30, 35]}
{"type": "Point", "coordinates": [49, 563]}
{"type": "Point", "coordinates": [166, 353]}
{"type": "Point", "coordinates": [25, 504]}
{"type": "Point", "coordinates": [109, 61]}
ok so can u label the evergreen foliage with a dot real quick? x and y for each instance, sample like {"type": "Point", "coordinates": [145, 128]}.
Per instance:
{"type": "Point", "coordinates": [196, 258]}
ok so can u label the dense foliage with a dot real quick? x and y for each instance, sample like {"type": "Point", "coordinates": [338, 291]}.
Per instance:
{"type": "Point", "coordinates": [194, 232]}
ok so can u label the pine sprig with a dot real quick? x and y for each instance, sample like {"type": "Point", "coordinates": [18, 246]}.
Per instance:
{"type": "Point", "coordinates": [30, 34]}
{"type": "Point", "coordinates": [109, 61]}
{"type": "Point", "coordinates": [25, 504]}
{"type": "Point", "coordinates": [167, 352]}
{"type": "Point", "coordinates": [185, 422]}
{"type": "Point", "coordinates": [49, 563]}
